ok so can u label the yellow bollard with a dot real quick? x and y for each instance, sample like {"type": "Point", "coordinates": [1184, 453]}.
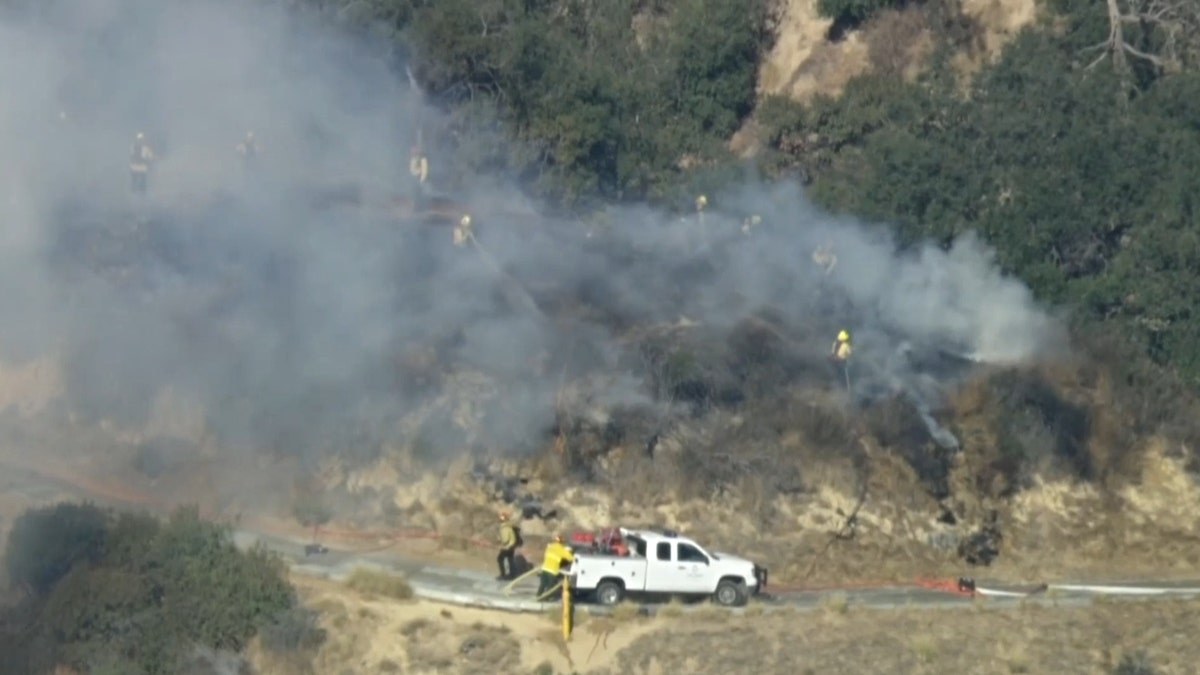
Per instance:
{"type": "Point", "coordinates": [568, 614]}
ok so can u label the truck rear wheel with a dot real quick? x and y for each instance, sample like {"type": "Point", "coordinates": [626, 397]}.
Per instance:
{"type": "Point", "coordinates": [609, 593]}
{"type": "Point", "coordinates": [731, 593]}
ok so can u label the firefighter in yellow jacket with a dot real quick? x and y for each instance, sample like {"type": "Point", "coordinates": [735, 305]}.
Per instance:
{"type": "Point", "coordinates": [418, 165]}
{"type": "Point", "coordinates": [509, 541]}
{"type": "Point", "coordinates": [557, 553]}
{"type": "Point", "coordinates": [825, 258]}
{"type": "Point", "coordinates": [463, 231]}
{"type": "Point", "coordinates": [841, 348]}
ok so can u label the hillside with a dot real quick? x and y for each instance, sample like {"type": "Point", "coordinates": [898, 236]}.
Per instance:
{"type": "Point", "coordinates": [1007, 191]}
{"type": "Point", "coordinates": [363, 630]}
{"type": "Point", "coordinates": [630, 370]}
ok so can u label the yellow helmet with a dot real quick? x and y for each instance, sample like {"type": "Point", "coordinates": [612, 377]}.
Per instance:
{"type": "Point", "coordinates": [843, 336]}
{"type": "Point", "coordinates": [465, 222]}
{"type": "Point", "coordinates": [701, 201]}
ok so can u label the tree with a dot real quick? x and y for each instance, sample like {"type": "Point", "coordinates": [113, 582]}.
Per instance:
{"type": "Point", "coordinates": [149, 593]}
{"type": "Point", "coordinates": [44, 544]}
{"type": "Point", "coordinates": [1163, 33]}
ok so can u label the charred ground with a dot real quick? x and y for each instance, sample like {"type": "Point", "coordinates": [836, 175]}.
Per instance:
{"type": "Point", "coordinates": [742, 430]}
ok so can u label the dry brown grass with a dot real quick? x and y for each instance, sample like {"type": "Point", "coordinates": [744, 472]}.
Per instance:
{"type": "Point", "coordinates": [671, 610]}
{"type": "Point", "coordinates": [626, 611]}
{"type": "Point", "coordinates": [1028, 640]}
{"type": "Point", "coordinates": [897, 40]}
{"type": "Point", "coordinates": [839, 638]}
{"type": "Point", "coordinates": [376, 583]}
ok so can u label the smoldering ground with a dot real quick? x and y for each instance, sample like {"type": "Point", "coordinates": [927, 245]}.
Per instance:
{"type": "Point", "coordinates": [284, 299]}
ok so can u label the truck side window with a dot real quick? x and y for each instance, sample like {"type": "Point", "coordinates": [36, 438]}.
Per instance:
{"type": "Point", "coordinates": [663, 550]}
{"type": "Point", "coordinates": [689, 553]}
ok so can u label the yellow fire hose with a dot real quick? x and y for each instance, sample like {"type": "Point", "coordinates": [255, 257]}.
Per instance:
{"type": "Point", "coordinates": [568, 613]}
{"type": "Point", "coordinates": [541, 598]}
{"type": "Point", "coordinates": [547, 594]}
{"type": "Point", "coordinates": [523, 296]}
{"type": "Point", "coordinates": [508, 589]}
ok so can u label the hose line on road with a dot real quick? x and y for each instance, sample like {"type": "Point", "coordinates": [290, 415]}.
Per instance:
{"type": "Point", "coordinates": [557, 587]}
{"type": "Point", "coordinates": [509, 588]}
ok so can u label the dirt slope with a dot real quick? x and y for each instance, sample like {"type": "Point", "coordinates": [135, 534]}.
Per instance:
{"type": "Point", "coordinates": [372, 635]}
{"type": "Point", "coordinates": [805, 61]}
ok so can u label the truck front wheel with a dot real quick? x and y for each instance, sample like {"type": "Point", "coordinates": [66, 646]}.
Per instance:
{"type": "Point", "coordinates": [609, 593]}
{"type": "Point", "coordinates": [730, 593]}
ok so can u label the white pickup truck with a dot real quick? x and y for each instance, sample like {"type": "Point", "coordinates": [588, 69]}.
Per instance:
{"type": "Point", "coordinates": [664, 563]}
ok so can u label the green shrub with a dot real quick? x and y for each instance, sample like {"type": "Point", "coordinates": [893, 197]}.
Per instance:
{"type": "Point", "coordinates": [1137, 663]}
{"type": "Point", "coordinates": [150, 594]}
{"type": "Point", "coordinates": [293, 630]}
{"type": "Point", "coordinates": [45, 543]}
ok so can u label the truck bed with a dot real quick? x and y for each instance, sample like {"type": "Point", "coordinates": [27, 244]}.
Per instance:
{"type": "Point", "coordinates": [589, 569]}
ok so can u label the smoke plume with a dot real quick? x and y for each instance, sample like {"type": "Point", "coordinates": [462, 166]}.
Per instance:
{"type": "Point", "coordinates": [283, 296]}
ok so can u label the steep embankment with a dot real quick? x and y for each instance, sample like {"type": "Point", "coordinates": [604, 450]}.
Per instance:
{"type": "Point", "coordinates": [1052, 475]}
{"type": "Point", "coordinates": [603, 405]}
{"type": "Point", "coordinates": [812, 57]}
{"type": "Point", "coordinates": [808, 59]}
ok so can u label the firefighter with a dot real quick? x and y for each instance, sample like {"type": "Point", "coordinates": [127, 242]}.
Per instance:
{"type": "Point", "coordinates": [509, 541]}
{"type": "Point", "coordinates": [701, 204]}
{"type": "Point", "coordinates": [248, 148]}
{"type": "Point", "coordinates": [141, 156]}
{"type": "Point", "coordinates": [462, 231]}
{"type": "Point", "coordinates": [557, 553]}
{"type": "Point", "coordinates": [825, 258]}
{"type": "Point", "coordinates": [418, 165]}
{"type": "Point", "coordinates": [841, 348]}
{"type": "Point", "coordinates": [750, 223]}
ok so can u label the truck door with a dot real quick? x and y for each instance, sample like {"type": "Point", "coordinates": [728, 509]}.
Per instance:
{"type": "Point", "coordinates": [663, 573]}
{"type": "Point", "coordinates": [697, 568]}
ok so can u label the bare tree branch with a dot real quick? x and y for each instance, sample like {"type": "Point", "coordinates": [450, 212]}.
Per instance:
{"type": "Point", "coordinates": [1175, 24]}
{"type": "Point", "coordinates": [1142, 55]}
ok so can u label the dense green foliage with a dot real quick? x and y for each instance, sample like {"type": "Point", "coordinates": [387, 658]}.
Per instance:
{"type": "Point", "coordinates": [610, 97]}
{"type": "Point", "coordinates": [1082, 177]}
{"type": "Point", "coordinates": [1087, 189]}
{"type": "Point", "coordinates": [134, 594]}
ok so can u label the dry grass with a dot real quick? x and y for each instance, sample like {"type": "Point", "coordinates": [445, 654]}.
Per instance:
{"type": "Point", "coordinates": [671, 610]}
{"type": "Point", "coordinates": [626, 611]}
{"type": "Point", "coordinates": [376, 583]}
{"type": "Point", "coordinates": [425, 638]}
{"type": "Point", "coordinates": [1032, 640]}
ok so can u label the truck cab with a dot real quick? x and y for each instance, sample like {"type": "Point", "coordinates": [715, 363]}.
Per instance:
{"type": "Point", "coordinates": [665, 563]}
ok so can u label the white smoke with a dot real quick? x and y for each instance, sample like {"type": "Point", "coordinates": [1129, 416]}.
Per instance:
{"type": "Point", "coordinates": [284, 310]}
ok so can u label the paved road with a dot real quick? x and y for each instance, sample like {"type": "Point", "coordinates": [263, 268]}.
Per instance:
{"type": "Point", "coordinates": [477, 589]}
